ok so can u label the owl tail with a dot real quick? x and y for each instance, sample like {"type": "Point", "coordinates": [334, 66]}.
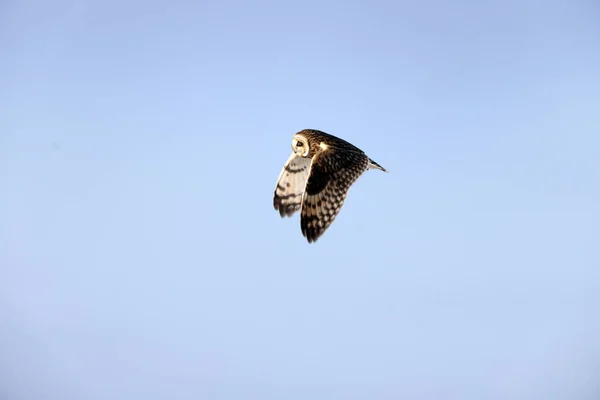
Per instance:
{"type": "Point", "coordinates": [374, 165]}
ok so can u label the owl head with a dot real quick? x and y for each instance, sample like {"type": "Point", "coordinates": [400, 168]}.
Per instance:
{"type": "Point", "coordinates": [300, 145]}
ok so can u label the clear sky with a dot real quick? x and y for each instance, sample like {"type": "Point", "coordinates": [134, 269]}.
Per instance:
{"type": "Point", "coordinates": [141, 257]}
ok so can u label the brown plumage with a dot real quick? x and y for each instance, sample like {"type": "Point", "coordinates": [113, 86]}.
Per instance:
{"type": "Point", "coordinates": [316, 179]}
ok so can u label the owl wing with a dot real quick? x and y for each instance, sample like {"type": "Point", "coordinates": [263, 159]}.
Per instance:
{"type": "Point", "coordinates": [290, 185]}
{"type": "Point", "coordinates": [332, 172]}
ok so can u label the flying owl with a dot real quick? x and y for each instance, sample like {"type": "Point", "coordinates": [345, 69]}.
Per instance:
{"type": "Point", "coordinates": [316, 178]}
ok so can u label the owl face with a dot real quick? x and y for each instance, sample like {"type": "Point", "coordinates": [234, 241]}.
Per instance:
{"type": "Point", "coordinates": [300, 146]}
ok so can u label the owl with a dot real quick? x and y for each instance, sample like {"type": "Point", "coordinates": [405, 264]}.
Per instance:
{"type": "Point", "coordinates": [316, 178]}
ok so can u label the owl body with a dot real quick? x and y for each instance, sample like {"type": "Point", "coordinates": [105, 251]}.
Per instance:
{"type": "Point", "coordinates": [316, 178]}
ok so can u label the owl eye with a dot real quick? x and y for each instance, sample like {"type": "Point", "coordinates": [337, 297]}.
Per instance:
{"type": "Point", "coordinates": [299, 144]}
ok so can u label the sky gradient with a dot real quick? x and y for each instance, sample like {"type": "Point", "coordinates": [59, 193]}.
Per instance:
{"type": "Point", "coordinates": [141, 257]}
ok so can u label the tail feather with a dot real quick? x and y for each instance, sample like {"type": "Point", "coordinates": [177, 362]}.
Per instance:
{"type": "Point", "coordinates": [374, 165]}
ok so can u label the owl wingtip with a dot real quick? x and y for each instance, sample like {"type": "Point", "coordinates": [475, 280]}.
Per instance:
{"type": "Point", "coordinates": [311, 240]}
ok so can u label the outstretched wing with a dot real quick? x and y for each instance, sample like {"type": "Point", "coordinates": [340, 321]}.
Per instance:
{"type": "Point", "coordinates": [331, 174]}
{"type": "Point", "coordinates": [290, 185]}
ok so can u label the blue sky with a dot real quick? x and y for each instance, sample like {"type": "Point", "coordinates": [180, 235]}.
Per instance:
{"type": "Point", "coordinates": [141, 256]}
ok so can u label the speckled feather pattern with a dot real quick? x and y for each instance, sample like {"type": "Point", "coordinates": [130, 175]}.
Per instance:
{"type": "Point", "coordinates": [330, 178]}
{"type": "Point", "coordinates": [317, 182]}
{"type": "Point", "coordinates": [290, 185]}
